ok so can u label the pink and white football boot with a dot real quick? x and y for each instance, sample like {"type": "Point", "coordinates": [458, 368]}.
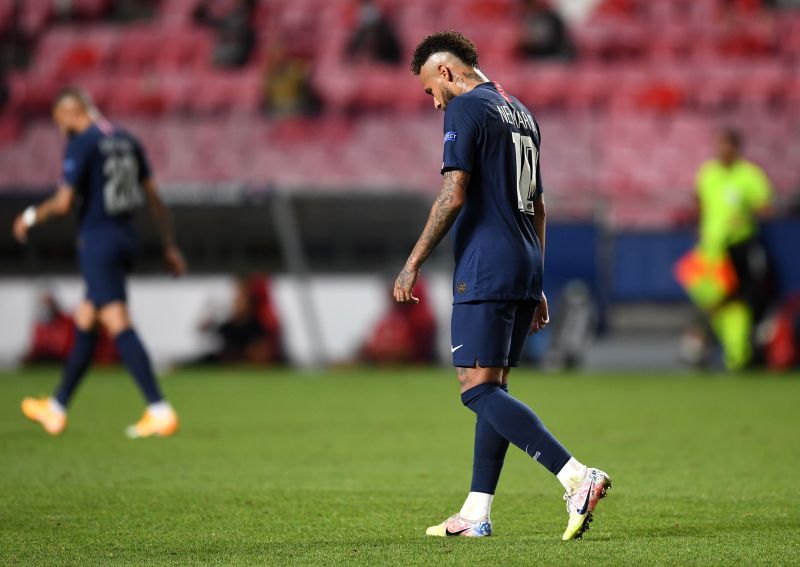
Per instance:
{"type": "Point", "coordinates": [582, 502]}
{"type": "Point", "coordinates": [457, 526]}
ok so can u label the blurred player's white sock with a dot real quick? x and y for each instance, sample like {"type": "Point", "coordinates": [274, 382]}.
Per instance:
{"type": "Point", "coordinates": [56, 406]}
{"type": "Point", "coordinates": [477, 506]}
{"type": "Point", "coordinates": [161, 410]}
{"type": "Point", "coordinates": [571, 475]}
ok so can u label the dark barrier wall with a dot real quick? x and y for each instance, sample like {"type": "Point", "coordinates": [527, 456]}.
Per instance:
{"type": "Point", "coordinates": [362, 233]}
{"type": "Point", "coordinates": [642, 261]}
{"type": "Point", "coordinates": [642, 265]}
{"type": "Point", "coordinates": [572, 252]}
{"type": "Point", "coordinates": [370, 233]}
{"type": "Point", "coordinates": [783, 243]}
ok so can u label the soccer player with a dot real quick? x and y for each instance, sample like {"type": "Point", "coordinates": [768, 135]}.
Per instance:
{"type": "Point", "coordinates": [492, 197]}
{"type": "Point", "coordinates": [105, 171]}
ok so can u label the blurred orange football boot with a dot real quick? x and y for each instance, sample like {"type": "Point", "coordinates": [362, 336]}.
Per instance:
{"type": "Point", "coordinates": [41, 410]}
{"type": "Point", "coordinates": [154, 424]}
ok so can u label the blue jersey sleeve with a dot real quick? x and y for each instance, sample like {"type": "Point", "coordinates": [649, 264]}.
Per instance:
{"type": "Point", "coordinates": [539, 186]}
{"type": "Point", "coordinates": [145, 172]}
{"type": "Point", "coordinates": [461, 136]}
{"type": "Point", "coordinates": [76, 163]}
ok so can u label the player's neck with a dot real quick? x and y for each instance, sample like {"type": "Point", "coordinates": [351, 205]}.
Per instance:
{"type": "Point", "coordinates": [471, 78]}
{"type": "Point", "coordinates": [83, 124]}
{"type": "Point", "coordinates": [730, 162]}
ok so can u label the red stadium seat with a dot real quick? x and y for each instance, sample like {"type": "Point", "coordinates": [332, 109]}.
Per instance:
{"type": "Point", "coordinates": [620, 9]}
{"type": "Point", "coordinates": [185, 49]}
{"type": "Point", "coordinates": [138, 48]}
{"type": "Point", "coordinates": [745, 37]}
{"type": "Point", "coordinates": [90, 9]}
{"type": "Point", "coordinates": [177, 13]}
{"type": "Point", "coordinates": [80, 58]}
{"type": "Point", "coordinates": [31, 95]}
{"type": "Point", "coordinates": [176, 91]}
{"type": "Point", "coordinates": [6, 15]}
{"type": "Point", "coordinates": [10, 129]}
{"type": "Point", "coordinates": [99, 88]}
{"type": "Point", "coordinates": [627, 123]}
{"type": "Point", "coordinates": [34, 16]}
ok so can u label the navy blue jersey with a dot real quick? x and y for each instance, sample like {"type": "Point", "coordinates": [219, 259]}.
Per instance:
{"type": "Point", "coordinates": [493, 137]}
{"type": "Point", "coordinates": [106, 167]}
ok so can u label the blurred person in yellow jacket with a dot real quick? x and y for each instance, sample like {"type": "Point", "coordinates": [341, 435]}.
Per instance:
{"type": "Point", "coordinates": [734, 194]}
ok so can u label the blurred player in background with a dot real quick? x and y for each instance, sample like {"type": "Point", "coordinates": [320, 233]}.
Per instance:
{"type": "Point", "coordinates": [405, 334]}
{"type": "Point", "coordinates": [733, 194]}
{"type": "Point", "coordinates": [251, 333]}
{"type": "Point", "coordinates": [105, 171]}
{"type": "Point", "coordinates": [492, 196]}
{"type": "Point", "coordinates": [53, 332]}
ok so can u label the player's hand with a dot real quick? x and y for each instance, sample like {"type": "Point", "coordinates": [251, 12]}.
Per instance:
{"type": "Point", "coordinates": [20, 229]}
{"type": "Point", "coordinates": [404, 285]}
{"type": "Point", "coordinates": [541, 316]}
{"type": "Point", "coordinates": [175, 262]}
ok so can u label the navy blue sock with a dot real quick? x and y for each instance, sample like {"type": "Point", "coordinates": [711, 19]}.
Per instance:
{"type": "Point", "coordinates": [138, 364]}
{"type": "Point", "coordinates": [80, 357]}
{"type": "Point", "coordinates": [489, 455]}
{"type": "Point", "coordinates": [516, 422]}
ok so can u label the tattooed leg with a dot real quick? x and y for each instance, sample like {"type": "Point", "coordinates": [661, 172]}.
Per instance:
{"type": "Point", "coordinates": [471, 377]}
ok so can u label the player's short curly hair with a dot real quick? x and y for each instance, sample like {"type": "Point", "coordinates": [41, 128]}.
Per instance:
{"type": "Point", "coordinates": [450, 41]}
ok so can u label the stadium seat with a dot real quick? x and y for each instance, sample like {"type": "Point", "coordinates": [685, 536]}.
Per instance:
{"type": "Point", "coordinates": [625, 124]}
{"type": "Point", "coordinates": [11, 128]}
{"type": "Point", "coordinates": [90, 9]}
{"type": "Point", "coordinates": [6, 15]}
{"type": "Point", "coordinates": [138, 48]}
{"type": "Point", "coordinates": [34, 16]}
{"type": "Point", "coordinates": [177, 13]}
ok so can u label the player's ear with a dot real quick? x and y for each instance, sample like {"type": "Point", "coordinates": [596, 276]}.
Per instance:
{"type": "Point", "coordinates": [445, 73]}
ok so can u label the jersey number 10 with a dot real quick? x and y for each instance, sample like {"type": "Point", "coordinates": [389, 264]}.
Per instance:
{"type": "Point", "coordinates": [527, 160]}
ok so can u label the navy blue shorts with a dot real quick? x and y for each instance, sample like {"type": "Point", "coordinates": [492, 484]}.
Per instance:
{"type": "Point", "coordinates": [490, 333]}
{"type": "Point", "coordinates": [106, 259]}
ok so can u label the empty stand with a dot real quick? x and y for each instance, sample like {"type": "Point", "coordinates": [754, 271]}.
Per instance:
{"type": "Point", "coordinates": [624, 126]}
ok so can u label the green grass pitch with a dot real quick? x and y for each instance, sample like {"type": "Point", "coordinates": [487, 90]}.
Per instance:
{"type": "Point", "coordinates": [350, 467]}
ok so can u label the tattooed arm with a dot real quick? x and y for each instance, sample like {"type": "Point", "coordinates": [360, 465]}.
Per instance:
{"type": "Point", "coordinates": [443, 213]}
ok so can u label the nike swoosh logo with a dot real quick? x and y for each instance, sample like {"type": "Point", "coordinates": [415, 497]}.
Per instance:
{"type": "Point", "coordinates": [453, 349]}
{"type": "Point", "coordinates": [459, 532]}
{"type": "Point", "coordinates": [585, 506]}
